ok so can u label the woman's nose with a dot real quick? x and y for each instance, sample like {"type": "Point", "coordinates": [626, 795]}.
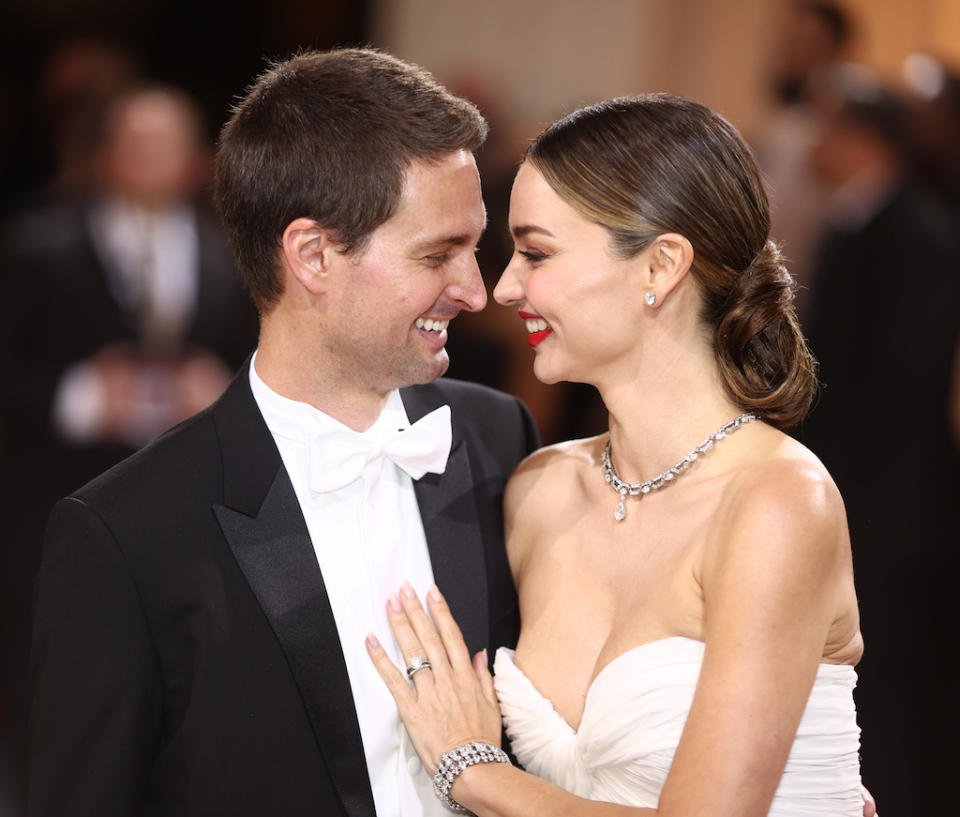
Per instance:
{"type": "Point", "coordinates": [508, 290]}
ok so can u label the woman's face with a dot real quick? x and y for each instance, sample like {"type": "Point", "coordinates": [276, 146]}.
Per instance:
{"type": "Point", "coordinates": [581, 304]}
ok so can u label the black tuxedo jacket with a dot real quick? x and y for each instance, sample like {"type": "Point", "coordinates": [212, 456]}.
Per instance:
{"type": "Point", "coordinates": [186, 660]}
{"type": "Point", "coordinates": [58, 308]}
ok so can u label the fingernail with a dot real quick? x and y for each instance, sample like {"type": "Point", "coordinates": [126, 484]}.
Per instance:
{"type": "Point", "coordinates": [485, 661]}
{"type": "Point", "coordinates": [394, 603]}
{"type": "Point", "coordinates": [372, 642]}
{"type": "Point", "coordinates": [434, 593]}
{"type": "Point", "coordinates": [407, 590]}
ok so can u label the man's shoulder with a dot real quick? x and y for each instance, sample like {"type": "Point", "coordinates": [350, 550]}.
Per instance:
{"type": "Point", "coordinates": [474, 407]}
{"type": "Point", "coordinates": [172, 464]}
{"type": "Point", "coordinates": [497, 421]}
{"type": "Point", "coordinates": [468, 393]}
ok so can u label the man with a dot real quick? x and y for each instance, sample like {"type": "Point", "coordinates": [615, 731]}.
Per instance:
{"type": "Point", "coordinates": [201, 608]}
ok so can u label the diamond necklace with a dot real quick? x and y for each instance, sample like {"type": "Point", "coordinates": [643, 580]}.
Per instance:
{"type": "Point", "coordinates": [640, 488]}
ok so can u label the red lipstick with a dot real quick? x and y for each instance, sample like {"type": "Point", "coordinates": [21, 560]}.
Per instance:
{"type": "Point", "coordinates": [535, 338]}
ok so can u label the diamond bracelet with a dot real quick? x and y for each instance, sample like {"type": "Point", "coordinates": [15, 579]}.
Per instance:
{"type": "Point", "coordinates": [455, 761]}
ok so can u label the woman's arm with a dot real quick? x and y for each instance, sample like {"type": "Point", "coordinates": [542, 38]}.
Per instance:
{"type": "Point", "coordinates": [773, 578]}
{"type": "Point", "coordinates": [454, 703]}
{"type": "Point", "coordinates": [771, 583]}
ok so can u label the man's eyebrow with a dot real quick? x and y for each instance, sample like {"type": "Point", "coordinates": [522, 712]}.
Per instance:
{"type": "Point", "coordinates": [456, 240]}
{"type": "Point", "coordinates": [442, 241]}
{"type": "Point", "coordinates": [522, 230]}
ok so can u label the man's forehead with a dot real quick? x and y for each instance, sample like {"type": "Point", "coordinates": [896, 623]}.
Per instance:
{"type": "Point", "coordinates": [441, 201]}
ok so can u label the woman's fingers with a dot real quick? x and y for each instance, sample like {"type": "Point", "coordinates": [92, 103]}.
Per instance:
{"type": "Point", "coordinates": [440, 637]}
{"type": "Point", "coordinates": [410, 643]}
{"type": "Point", "coordinates": [445, 707]}
{"type": "Point", "coordinates": [392, 677]}
{"type": "Point", "coordinates": [484, 677]}
{"type": "Point", "coordinates": [449, 631]}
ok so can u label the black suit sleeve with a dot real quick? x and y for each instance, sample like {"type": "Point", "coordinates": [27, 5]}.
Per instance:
{"type": "Point", "coordinates": [530, 434]}
{"type": "Point", "coordinates": [95, 715]}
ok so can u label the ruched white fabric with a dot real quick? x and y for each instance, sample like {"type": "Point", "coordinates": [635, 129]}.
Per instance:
{"type": "Point", "coordinates": [636, 709]}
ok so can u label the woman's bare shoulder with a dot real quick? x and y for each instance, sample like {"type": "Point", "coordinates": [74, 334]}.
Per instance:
{"type": "Point", "coordinates": [780, 543]}
{"type": "Point", "coordinates": [546, 490]}
{"type": "Point", "coordinates": [556, 466]}
{"type": "Point", "coordinates": [781, 470]}
{"type": "Point", "coordinates": [779, 500]}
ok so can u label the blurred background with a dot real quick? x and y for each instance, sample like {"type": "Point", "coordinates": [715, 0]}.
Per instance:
{"type": "Point", "coordinates": [122, 313]}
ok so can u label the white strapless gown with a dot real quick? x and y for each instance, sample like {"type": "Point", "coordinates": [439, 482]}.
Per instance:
{"type": "Point", "coordinates": [634, 713]}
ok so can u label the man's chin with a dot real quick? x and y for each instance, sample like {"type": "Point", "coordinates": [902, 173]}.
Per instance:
{"type": "Point", "coordinates": [439, 366]}
{"type": "Point", "coordinates": [429, 370]}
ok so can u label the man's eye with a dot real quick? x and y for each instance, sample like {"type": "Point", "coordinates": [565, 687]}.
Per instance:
{"type": "Point", "coordinates": [437, 260]}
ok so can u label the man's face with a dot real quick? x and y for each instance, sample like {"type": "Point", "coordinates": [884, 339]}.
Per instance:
{"type": "Point", "coordinates": [154, 155]}
{"type": "Point", "coordinates": [388, 315]}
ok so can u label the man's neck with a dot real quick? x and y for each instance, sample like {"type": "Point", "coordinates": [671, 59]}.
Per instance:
{"type": "Point", "coordinates": [290, 372]}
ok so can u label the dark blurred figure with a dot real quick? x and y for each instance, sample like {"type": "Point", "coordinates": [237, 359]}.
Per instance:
{"type": "Point", "coordinates": [55, 113]}
{"type": "Point", "coordinates": [934, 96]}
{"type": "Point", "coordinates": [884, 324]}
{"type": "Point", "coordinates": [811, 35]}
{"type": "Point", "coordinates": [79, 79]}
{"type": "Point", "coordinates": [122, 315]}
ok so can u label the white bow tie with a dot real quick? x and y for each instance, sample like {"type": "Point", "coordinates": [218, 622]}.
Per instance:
{"type": "Point", "coordinates": [338, 457]}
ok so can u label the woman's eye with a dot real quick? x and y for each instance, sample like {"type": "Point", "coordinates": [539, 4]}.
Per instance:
{"type": "Point", "coordinates": [533, 256]}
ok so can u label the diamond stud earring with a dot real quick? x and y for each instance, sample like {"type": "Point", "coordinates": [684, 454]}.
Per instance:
{"type": "Point", "coordinates": [650, 298]}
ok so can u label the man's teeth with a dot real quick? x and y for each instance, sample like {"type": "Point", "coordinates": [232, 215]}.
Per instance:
{"type": "Point", "coordinates": [536, 325]}
{"type": "Point", "coordinates": [431, 326]}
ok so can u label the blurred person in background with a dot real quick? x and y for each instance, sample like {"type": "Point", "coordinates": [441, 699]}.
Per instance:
{"type": "Point", "coordinates": [933, 90]}
{"type": "Point", "coordinates": [884, 323]}
{"type": "Point", "coordinates": [54, 114]}
{"type": "Point", "coordinates": [79, 79]}
{"type": "Point", "coordinates": [933, 93]}
{"type": "Point", "coordinates": [123, 315]}
{"type": "Point", "coordinates": [811, 35]}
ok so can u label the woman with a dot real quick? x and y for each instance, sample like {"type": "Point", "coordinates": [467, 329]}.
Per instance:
{"type": "Point", "coordinates": [682, 604]}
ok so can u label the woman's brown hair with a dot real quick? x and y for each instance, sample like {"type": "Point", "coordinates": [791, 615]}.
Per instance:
{"type": "Point", "coordinates": [656, 163]}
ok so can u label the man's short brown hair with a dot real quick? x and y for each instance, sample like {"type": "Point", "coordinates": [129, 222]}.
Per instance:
{"type": "Point", "coordinates": [328, 136]}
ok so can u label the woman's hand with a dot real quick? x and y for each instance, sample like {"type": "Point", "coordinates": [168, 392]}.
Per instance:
{"type": "Point", "coordinates": [453, 701]}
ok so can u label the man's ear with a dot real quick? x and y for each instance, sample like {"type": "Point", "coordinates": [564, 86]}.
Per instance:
{"type": "Point", "coordinates": [308, 252]}
{"type": "Point", "coordinates": [666, 263]}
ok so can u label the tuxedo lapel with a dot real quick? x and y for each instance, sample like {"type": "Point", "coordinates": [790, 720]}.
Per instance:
{"type": "Point", "coordinates": [448, 510]}
{"type": "Point", "coordinates": [264, 527]}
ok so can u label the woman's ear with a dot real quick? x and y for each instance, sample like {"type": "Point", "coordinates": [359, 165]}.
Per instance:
{"type": "Point", "coordinates": [308, 253]}
{"type": "Point", "coordinates": [666, 263]}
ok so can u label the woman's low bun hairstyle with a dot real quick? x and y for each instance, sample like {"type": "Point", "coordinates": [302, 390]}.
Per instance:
{"type": "Point", "coordinates": [763, 358]}
{"type": "Point", "coordinates": [656, 163]}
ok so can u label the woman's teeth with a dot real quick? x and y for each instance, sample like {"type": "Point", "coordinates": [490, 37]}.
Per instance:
{"type": "Point", "coordinates": [536, 325]}
{"type": "Point", "coordinates": [430, 325]}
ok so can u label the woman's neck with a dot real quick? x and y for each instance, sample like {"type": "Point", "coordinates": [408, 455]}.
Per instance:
{"type": "Point", "coordinates": [670, 407]}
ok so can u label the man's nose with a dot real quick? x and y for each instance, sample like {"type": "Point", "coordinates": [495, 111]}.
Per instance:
{"type": "Point", "coordinates": [467, 287]}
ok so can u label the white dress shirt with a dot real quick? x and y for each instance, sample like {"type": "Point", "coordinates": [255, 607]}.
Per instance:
{"type": "Point", "coordinates": [368, 538]}
{"type": "Point", "coordinates": [149, 257]}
